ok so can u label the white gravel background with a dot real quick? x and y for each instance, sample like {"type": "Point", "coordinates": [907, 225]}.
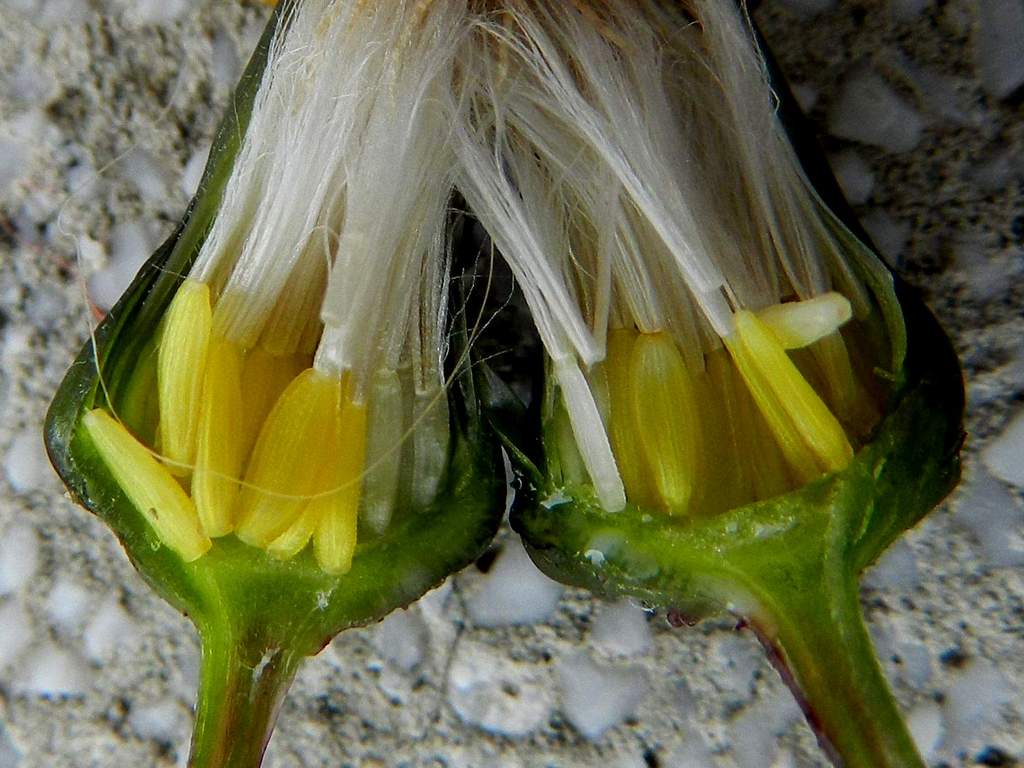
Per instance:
{"type": "Point", "coordinates": [107, 108]}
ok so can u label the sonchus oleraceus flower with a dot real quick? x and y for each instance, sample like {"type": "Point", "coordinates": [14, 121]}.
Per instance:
{"type": "Point", "coordinates": [279, 418]}
{"type": "Point", "coordinates": [742, 407]}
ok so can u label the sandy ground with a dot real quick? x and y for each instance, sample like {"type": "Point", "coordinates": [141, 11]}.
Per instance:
{"type": "Point", "coordinates": [106, 110]}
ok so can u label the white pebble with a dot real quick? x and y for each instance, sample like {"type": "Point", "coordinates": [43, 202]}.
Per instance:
{"type": "Point", "coordinates": [24, 6]}
{"type": "Point", "coordinates": [905, 10]}
{"type": "Point", "coordinates": [26, 465]}
{"type": "Point", "coordinates": [157, 11]}
{"type": "Point", "coordinates": [224, 61]}
{"type": "Point", "coordinates": [31, 84]}
{"type": "Point", "coordinates": [806, 95]}
{"type": "Point", "coordinates": [67, 604]}
{"type": "Point", "coordinates": [738, 658]}
{"type": "Point", "coordinates": [110, 629]}
{"type": "Point", "coordinates": [999, 46]}
{"type": "Point", "coordinates": [19, 557]}
{"type": "Point", "coordinates": [996, 172]}
{"type": "Point", "coordinates": [15, 632]}
{"type": "Point", "coordinates": [889, 234]}
{"type": "Point", "coordinates": [917, 664]}
{"type": "Point", "coordinates": [14, 160]}
{"type": "Point", "coordinates": [756, 730]}
{"type": "Point", "coordinates": [61, 12]}
{"type": "Point", "coordinates": [149, 177]}
{"type": "Point", "coordinates": [91, 253]}
{"type": "Point", "coordinates": [130, 246]}
{"type": "Point", "coordinates": [10, 755]}
{"type": "Point", "coordinates": [52, 672]}
{"type": "Point", "coordinates": [868, 110]}
{"type": "Point", "coordinates": [596, 698]}
{"type": "Point", "coordinates": [989, 511]}
{"type": "Point", "coordinates": [489, 690]}
{"type": "Point", "coordinates": [401, 638]}
{"type": "Point", "coordinates": [809, 7]}
{"type": "Point", "coordinates": [854, 176]}
{"type": "Point", "coordinates": [939, 93]}
{"type": "Point", "coordinates": [621, 629]}
{"type": "Point", "coordinates": [162, 722]}
{"type": "Point", "coordinates": [192, 175]}
{"type": "Point", "coordinates": [514, 592]}
{"type": "Point", "coordinates": [17, 341]}
{"type": "Point", "coordinates": [925, 725]}
{"type": "Point", "coordinates": [987, 275]}
{"type": "Point", "coordinates": [1004, 456]}
{"type": "Point", "coordinates": [692, 753]}
{"type": "Point", "coordinates": [973, 706]}
{"type": "Point", "coordinates": [896, 569]}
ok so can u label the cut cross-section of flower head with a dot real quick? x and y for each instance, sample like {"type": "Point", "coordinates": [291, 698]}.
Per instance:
{"type": "Point", "coordinates": [282, 419]}
{"type": "Point", "coordinates": [694, 295]}
{"type": "Point", "coordinates": [299, 372]}
{"type": "Point", "coordinates": [279, 419]}
{"type": "Point", "coordinates": [742, 407]}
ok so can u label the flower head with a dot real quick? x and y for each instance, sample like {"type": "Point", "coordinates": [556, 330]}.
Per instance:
{"type": "Point", "coordinates": [694, 295]}
{"type": "Point", "coordinates": [727, 364]}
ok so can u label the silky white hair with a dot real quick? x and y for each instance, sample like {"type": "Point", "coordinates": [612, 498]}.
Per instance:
{"type": "Point", "coordinates": [624, 156]}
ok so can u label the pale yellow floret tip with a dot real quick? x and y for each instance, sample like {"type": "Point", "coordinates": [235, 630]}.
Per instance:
{"type": "Point", "coordinates": [148, 486]}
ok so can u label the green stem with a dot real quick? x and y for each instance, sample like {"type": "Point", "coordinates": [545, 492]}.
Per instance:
{"type": "Point", "coordinates": [820, 646]}
{"type": "Point", "coordinates": [241, 687]}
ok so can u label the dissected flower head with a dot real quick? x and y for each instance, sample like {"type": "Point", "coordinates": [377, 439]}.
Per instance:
{"type": "Point", "coordinates": [299, 379]}
{"type": "Point", "coordinates": [287, 370]}
{"type": "Point", "coordinates": [707, 319]}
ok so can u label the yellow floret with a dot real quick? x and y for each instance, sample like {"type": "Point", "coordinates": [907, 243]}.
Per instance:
{"type": "Point", "coordinates": [666, 419]}
{"type": "Point", "coordinates": [386, 426]}
{"type": "Point", "coordinates": [148, 485]}
{"type": "Point", "coordinates": [298, 438]}
{"type": "Point", "coordinates": [622, 426]}
{"type": "Point", "coordinates": [810, 437]}
{"type": "Point", "coordinates": [335, 539]}
{"type": "Point", "coordinates": [219, 451]}
{"type": "Point", "coordinates": [264, 377]}
{"type": "Point", "coordinates": [295, 539]}
{"type": "Point", "coordinates": [181, 366]}
{"type": "Point", "coordinates": [725, 479]}
{"type": "Point", "coordinates": [801, 323]}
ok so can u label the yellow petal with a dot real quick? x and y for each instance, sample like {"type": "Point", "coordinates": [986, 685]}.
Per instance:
{"type": "Point", "coordinates": [725, 480]}
{"type": "Point", "coordinates": [294, 540]}
{"type": "Point", "coordinates": [148, 485]}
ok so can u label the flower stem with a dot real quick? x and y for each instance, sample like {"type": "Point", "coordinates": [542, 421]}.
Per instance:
{"type": "Point", "coordinates": [242, 684]}
{"type": "Point", "coordinates": [821, 648]}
